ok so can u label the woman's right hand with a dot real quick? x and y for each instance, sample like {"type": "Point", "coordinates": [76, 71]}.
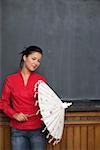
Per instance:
{"type": "Point", "coordinates": [20, 117]}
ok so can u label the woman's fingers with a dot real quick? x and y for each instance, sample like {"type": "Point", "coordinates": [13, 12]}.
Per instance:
{"type": "Point", "coordinates": [20, 117]}
{"type": "Point", "coordinates": [29, 115]}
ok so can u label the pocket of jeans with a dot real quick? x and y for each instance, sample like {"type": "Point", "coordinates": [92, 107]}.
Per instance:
{"type": "Point", "coordinates": [14, 131]}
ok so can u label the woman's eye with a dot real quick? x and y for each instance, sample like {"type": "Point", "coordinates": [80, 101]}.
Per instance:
{"type": "Point", "coordinates": [33, 58]}
{"type": "Point", "coordinates": [36, 59]}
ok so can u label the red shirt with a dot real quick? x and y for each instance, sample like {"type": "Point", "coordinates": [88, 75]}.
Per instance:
{"type": "Point", "coordinates": [21, 98]}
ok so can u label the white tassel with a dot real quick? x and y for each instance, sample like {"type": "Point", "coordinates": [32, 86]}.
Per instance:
{"type": "Point", "coordinates": [36, 102]}
{"type": "Point", "coordinates": [35, 86]}
{"type": "Point", "coordinates": [41, 119]}
{"type": "Point", "coordinates": [50, 140]}
{"type": "Point", "coordinates": [44, 129]}
{"type": "Point", "coordinates": [35, 94]}
{"type": "Point", "coordinates": [40, 81]}
{"type": "Point", "coordinates": [56, 142]}
{"type": "Point", "coordinates": [48, 135]}
{"type": "Point", "coordinates": [37, 112]}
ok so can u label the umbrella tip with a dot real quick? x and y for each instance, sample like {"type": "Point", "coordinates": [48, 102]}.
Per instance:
{"type": "Point", "coordinates": [66, 104]}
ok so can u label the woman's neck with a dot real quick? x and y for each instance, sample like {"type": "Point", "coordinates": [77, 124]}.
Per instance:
{"type": "Point", "coordinates": [25, 72]}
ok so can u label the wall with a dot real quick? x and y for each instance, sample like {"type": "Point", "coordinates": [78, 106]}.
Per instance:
{"type": "Point", "coordinates": [69, 33]}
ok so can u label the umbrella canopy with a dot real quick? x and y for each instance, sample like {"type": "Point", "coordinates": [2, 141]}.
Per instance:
{"type": "Point", "coordinates": [52, 110]}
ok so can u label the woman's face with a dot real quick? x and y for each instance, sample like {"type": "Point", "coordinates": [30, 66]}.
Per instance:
{"type": "Point", "coordinates": [32, 61]}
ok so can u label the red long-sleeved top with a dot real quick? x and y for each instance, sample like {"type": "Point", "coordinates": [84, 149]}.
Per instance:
{"type": "Point", "coordinates": [17, 97]}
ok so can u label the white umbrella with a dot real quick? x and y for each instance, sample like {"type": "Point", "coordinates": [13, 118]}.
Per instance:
{"type": "Point", "coordinates": [52, 110]}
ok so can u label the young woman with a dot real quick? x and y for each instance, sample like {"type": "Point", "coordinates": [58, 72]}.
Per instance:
{"type": "Point", "coordinates": [19, 102]}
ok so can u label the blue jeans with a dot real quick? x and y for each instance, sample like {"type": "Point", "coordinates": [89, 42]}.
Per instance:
{"type": "Point", "coordinates": [28, 139]}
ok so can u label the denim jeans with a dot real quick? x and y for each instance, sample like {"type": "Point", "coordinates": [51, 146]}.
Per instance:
{"type": "Point", "coordinates": [28, 139]}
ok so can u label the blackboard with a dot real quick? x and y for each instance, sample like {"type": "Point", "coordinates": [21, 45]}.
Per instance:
{"type": "Point", "coordinates": [68, 31]}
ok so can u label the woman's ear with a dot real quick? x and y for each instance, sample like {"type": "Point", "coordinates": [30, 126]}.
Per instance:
{"type": "Point", "coordinates": [24, 57]}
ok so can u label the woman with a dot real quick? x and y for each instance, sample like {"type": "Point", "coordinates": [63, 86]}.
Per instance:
{"type": "Point", "coordinates": [20, 105]}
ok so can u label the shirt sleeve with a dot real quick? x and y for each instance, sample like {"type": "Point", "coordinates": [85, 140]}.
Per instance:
{"type": "Point", "coordinates": [6, 95]}
{"type": "Point", "coordinates": [43, 79]}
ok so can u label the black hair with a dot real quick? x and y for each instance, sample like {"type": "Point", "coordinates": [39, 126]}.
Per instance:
{"type": "Point", "coordinates": [29, 50]}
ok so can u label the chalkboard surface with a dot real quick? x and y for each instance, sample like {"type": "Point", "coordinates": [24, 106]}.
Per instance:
{"type": "Point", "coordinates": [68, 31]}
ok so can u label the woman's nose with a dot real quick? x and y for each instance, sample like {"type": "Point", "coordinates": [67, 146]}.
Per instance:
{"type": "Point", "coordinates": [36, 62]}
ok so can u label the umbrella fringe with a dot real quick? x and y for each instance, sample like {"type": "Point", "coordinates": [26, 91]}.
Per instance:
{"type": "Point", "coordinates": [35, 94]}
{"type": "Point", "coordinates": [48, 135]}
{"type": "Point", "coordinates": [51, 140]}
{"type": "Point", "coordinates": [44, 129]}
{"type": "Point", "coordinates": [38, 112]}
{"type": "Point", "coordinates": [56, 142]}
{"type": "Point", "coordinates": [36, 102]}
